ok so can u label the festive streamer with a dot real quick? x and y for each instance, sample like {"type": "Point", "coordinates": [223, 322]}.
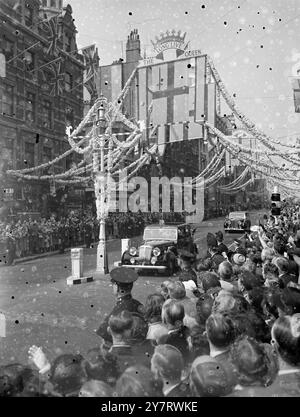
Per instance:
{"type": "Point", "coordinates": [237, 181]}
{"type": "Point", "coordinates": [237, 189]}
{"type": "Point", "coordinates": [254, 162]}
{"type": "Point", "coordinates": [243, 159]}
{"type": "Point", "coordinates": [266, 140]}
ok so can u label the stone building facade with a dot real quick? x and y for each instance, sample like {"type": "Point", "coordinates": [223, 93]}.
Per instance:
{"type": "Point", "coordinates": [40, 94]}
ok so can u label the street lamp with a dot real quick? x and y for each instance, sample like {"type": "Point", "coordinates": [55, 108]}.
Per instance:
{"type": "Point", "coordinates": [100, 181]}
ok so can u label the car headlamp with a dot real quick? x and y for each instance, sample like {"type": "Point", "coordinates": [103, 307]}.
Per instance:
{"type": "Point", "coordinates": [156, 252]}
{"type": "Point", "coordinates": [153, 260]}
{"type": "Point", "coordinates": [132, 251]}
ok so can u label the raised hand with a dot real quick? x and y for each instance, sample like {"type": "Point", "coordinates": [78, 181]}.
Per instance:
{"type": "Point", "coordinates": [38, 357]}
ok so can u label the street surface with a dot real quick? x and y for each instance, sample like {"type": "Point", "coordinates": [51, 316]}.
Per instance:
{"type": "Point", "coordinates": [41, 309]}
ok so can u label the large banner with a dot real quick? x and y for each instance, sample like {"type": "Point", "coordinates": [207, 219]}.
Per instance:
{"type": "Point", "coordinates": [173, 97]}
{"type": "Point", "coordinates": [110, 77]}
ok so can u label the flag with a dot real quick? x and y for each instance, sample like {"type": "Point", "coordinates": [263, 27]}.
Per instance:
{"type": "Point", "coordinates": [91, 61]}
{"type": "Point", "coordinates": [177, 93]}
{"type": "Point", "coordinates": [54, 34]}
{"type": "Point", "coordinates": [296, 91]}
{"type": "Point", "coordinates": [58, 79]}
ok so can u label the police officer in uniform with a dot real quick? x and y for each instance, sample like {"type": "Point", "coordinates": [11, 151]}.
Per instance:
{"type": "Point", "coordinates": [187, 273]}
{"type": "Point", "coordinates": [122, 280]}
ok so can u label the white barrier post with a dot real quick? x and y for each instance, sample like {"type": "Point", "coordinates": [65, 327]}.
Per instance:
{"type": "Point", "coordinates": [77, 262]}
{"type": "Point", "coordinates": [77, 268]}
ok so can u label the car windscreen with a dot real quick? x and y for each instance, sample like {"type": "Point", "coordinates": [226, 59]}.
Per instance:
{"type": "Point", "coordinates": [236, 216]}
{"type": "Point", "coordinates": [160, 234]}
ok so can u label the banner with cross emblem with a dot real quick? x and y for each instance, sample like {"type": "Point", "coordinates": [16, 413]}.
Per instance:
{"type": "Point", "coordinates": [177, 93]}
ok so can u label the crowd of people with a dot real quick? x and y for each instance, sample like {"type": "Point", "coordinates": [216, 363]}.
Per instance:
{"type": "Point", "coordinates": [34, 236]}
{"type": "Point", "coordinates": [227, 325]}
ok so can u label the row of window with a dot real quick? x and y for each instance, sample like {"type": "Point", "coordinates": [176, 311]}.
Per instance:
{"type": "Point", "coordinates": [45, 110]}
{"type": "Point", "coordinates": [29, 59]}
{"type": "Point", "coordinates": [8, 47]}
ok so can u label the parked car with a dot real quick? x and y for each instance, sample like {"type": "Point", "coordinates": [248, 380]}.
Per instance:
{"type": "Point", "coordinates": [159, 250]}
{"type": "Point", "coordinates": [237, 222]}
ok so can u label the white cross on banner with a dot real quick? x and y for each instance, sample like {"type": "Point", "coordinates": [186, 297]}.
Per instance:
{"type": "Point", "coordinates": [178, 92]}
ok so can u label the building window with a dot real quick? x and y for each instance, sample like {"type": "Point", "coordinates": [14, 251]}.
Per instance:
{"type": "Point", "coordinates": [44, 2]}
{"type": "Point", "coordinates": [47, 154]}
{"type": "Point", "coordinates": [8, 47]}
{"type": "Point", "coordinates": [6, 100]}
{"type": "Point", "coordinates": [68, 81]}
{"type": "Point", "coordinates": [28, 15]}
{"type": "Point", "coordinates": [68, 43]}
{"type": "Point", "coordinates": [29, 60]}
{"type": "Point", "coordinates": [53, 3]}
{"type": "Point", "coordinates": [30, 107]}
{"type": "Point", "coordinates": [29, 154]}
{"type": "Point", "coordinates": [46, 114]}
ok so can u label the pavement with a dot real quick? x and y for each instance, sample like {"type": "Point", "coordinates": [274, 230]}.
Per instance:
{"type": "Point", "coordinates": [41, 309]}
{"type": "Point", "coordinates": [52, 253]}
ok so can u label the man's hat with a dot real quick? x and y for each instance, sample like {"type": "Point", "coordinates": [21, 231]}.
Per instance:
{"type": "Point", "coordinates": [123, 275]}
{"type": "Point", "coordinates": [238, 259]}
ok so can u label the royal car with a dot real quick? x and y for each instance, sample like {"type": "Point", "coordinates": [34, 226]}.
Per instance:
{"type": "Point", "coordinates": [236, 222]}
{"type": "Point", "coordinates": [159, 249]}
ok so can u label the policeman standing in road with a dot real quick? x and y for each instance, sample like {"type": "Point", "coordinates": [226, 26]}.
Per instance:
{"type": "Point", "coordinates": [187, 273]}
{"type": "Point", "coordinates": [122, 280]}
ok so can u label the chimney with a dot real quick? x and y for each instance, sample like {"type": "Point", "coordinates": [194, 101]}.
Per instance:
{"type": "Point", "coordinates": [133, 47]}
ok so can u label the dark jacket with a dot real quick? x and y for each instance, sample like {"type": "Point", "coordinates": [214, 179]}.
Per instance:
{"type": "Point", "coordinates": [124, 356]}
{"type": "Point", "coordinates": [124, 303]}
{"type": "Point", "coordinates": [286, 278]}
{"type": "Point", "coordinates": [178, 338]}
{"type": "Point", "coordinates": [143, 352]}
{"type": "Point", "coordinates": [222, 248]}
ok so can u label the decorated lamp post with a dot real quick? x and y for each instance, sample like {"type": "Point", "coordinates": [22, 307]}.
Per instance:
{"type": "Point", "coordinates": [101, 180]}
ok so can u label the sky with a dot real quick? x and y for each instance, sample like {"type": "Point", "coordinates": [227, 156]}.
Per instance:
{"type": "Point", "coordinates": [255, 45]}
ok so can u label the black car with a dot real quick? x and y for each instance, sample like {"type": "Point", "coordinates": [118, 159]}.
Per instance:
{"type": "Point", "coordinates": [159, 249]}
